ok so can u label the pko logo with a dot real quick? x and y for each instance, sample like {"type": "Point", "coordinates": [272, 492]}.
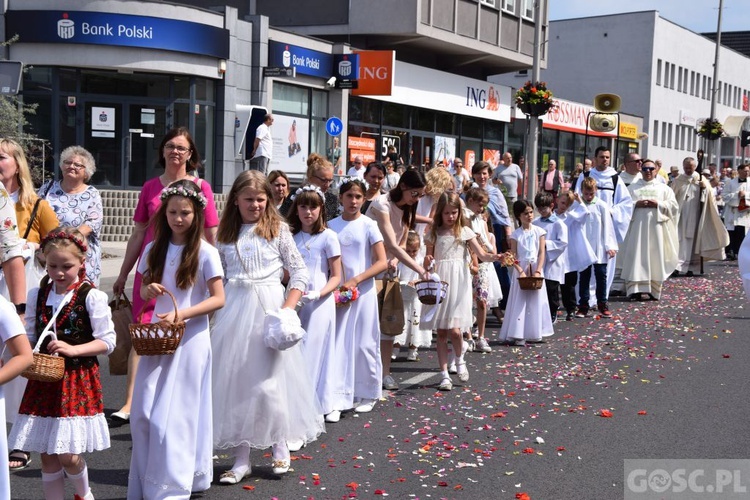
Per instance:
{"type": "Point", "coordinates": [66, 28]}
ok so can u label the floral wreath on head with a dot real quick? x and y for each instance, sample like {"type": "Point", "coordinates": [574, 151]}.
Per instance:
{"type": "Point", "coordinates": [349, 180]}
{"type": "Point", "coordinates": [64, 236]}
{"type": "Point", "coordinates": [170, 191]}
{"type": "Point", "coordinates": [311, 188]}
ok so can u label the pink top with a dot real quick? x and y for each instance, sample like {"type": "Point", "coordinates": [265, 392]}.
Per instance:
{"type": "Point", "coordinates": [149, 203]}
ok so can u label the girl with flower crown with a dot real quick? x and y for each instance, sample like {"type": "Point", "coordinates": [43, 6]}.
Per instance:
{"type": "Point", "coordinates": [262, 397]}
{"type": "Point", "coordinates": [359, 372]}
{"type": "Point", "coordinates": [170, 422]}
{"type": "Point", "coordinates": [320, 248]}
{"type": "Point", "coordinates": [63, 419]}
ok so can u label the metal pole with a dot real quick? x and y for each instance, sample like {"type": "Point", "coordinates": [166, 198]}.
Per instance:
{"type": "Point", "coordinates": [715, 88]}
{"type": "Point", "coordinates": [533, 152]}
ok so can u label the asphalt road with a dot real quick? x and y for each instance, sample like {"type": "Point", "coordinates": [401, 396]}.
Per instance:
{"type": "Point", "coordinates": [672, 374]}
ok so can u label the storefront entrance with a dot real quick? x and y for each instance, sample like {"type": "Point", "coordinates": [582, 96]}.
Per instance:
{"type": "Point", "coordinates": [124, 138]}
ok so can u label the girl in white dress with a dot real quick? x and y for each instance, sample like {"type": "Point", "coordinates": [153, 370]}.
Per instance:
{"type": "Point", "coordinates": [170, 421]}
{"type": "Point", "coordinates": [359, 369]}
{"type": "Point", "coordinates": [320, 248]}
{"type": "Point", "coordinates": [61, 420]}
{"type": "Point", "coordinates": [527, 315]}
{"type": "Point", "coordinates": [448, 244]}
{"type": "Point", "coordinates": [262, 397]}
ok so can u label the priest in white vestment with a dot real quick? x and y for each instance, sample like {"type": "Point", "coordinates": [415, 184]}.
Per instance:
{"type": "Point", "coordinates": [700, 229]}
{"type": "Point", "coordinates": [649, 253]}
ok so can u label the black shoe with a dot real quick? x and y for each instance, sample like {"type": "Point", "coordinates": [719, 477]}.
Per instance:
{"type": "Point", "coordinates": [689, 274]}
{"type": "Point", "coordinates": [616, 293]}
{"type": "Point", "coordinates": [570, 316]}
{"type": "Point", "coordinates": [674, 274]}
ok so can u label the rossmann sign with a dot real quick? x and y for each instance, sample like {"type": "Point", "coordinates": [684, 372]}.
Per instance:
{"type": "Point", "coordinates": [99, 28]}
{"type": "Point", "coordinates": [569, 116]}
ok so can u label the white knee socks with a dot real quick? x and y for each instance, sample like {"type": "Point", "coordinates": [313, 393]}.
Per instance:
{"type": "Point", "coordinates": [80, 481]}
{"type": "Point", "coordinates": [53, 485]}
{"type": "Point", "coordinates": [241, 457]}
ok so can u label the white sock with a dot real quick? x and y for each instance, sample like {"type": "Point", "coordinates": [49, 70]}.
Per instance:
{"type": "Point", "coordinates": [460, 359]}
{"type": "Point", "coordinates": [444, 374]}
{"type": "Point", "coordinates": [280, 452]}
{"type": "Point", "coordinates": [241, 457]}
{"type": "Point", "coordinates": [53, 485]}
{"type": "Point", "coordinates": [80, 481]}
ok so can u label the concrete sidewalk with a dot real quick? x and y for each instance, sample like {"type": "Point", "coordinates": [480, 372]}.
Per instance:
{"type": "Point", "coordinates": [113, 253]}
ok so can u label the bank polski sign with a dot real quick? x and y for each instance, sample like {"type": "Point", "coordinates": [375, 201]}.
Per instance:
{"type": "Point", "coordinates": [306, 61]}
{"type": "Point", "coordinates": [432, 89]}
{"type": "Point", "coordinates": [99, 28]}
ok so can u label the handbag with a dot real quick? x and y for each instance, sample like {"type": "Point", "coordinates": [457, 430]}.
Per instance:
{"type": "Point", "coordinates": [391, 306]}
{"type": "Point", "coordinates": [122, 316]}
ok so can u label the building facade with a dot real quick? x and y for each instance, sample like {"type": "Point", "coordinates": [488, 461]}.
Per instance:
{"type": "Point", "coordinates": [663, 73]}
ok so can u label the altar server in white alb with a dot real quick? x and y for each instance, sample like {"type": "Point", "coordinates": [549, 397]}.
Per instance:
{"type": "Point", "coordinates": [649, 253]}
{"type": "Point", "coordinates": [700, 230]}
{"type": "Point", "coordinates": [555, 243]}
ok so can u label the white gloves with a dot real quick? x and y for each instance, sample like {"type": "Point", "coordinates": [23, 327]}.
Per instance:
{"type": "Point", "coordinates": [310, 296]}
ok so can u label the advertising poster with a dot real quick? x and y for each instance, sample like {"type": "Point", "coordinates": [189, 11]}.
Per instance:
{"type": "Point", "coordinates": [290, 144]}
{"type": "Point", "coordinates": [445, 150]}
{"type": "Point", "coordinates": [491, 156]}
{"type": "Point", "coordinates": [102, 122]}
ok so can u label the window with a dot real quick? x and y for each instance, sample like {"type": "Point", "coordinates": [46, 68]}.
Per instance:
{"type": "Point", "coordinates": [509, 6]}
{"type": "Point", "coordinates": [655, 134]}
{"type": "Point", "coordinates": [671, 76]}
{"type": "Point", "coordinates": [692, 83]}
{"type": "Point", "coordinates": [491, 3]}
{"type": "Point", "coordinates": [658, 71]}
{"type": "Point", "coordinates": [666, 75]}
{"type": "Point", "coordinates": [677, 136]}
{"type": "Point", "coordinates": [528, 9]}
{"type": "Point", "coordinates": [684, 81]}
{"type": "Point", "coordinates": [669, 136]}
{"type": "Point", "coordinates": [679, 79]}
{"type": "Point", "coordinates": [664, 134]}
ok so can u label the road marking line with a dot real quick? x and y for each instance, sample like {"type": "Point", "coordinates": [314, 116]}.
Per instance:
{"type": "Point", "coordinates": [418, 379]}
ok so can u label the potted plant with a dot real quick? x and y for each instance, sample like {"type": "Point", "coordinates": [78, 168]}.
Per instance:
{"type": "Point", "coordinates": [710, 129]}
{"type": "Point", "coordinates": [534, 98]}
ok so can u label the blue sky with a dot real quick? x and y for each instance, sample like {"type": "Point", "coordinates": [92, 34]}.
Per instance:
{"type": "Point", "coordinates": [697, 15]}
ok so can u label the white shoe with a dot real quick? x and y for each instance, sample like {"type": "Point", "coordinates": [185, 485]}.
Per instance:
{"type": "Point", "coordinates": [468, 345]}
{"type": "Point", "coordinates": [463, 372]}
{"type": "Point", "coordinates": [333, 417]}
{"type": "Point", "coordinates": [482, 345]}
{"type": "Point", "coordinates": [452, 367]}
{"type": "Point", "coordinates": [295, 444]}
{"type": "Point", "coordinates": [394, 353]}
{"type": "Point", "coordinates": [280, 466]}
{"type": "Point", "coordinates": [412, 355]}
{"type": "Point", "coordinates": [445, 384]}
{"type": "Point", "coordinates": [475, 333]}
{"type": "Point", "coordinates": [389, 383]}
{"type": "Point", "coordinates": [365, 406]}
{"type": "Point", "coordinates": [234, 476]}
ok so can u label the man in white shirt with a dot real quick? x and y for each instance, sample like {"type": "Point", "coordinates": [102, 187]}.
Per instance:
{"type": "Point", "coordinates": [357, 169]}
{"type": "Point", "coordinates": [263, 146]}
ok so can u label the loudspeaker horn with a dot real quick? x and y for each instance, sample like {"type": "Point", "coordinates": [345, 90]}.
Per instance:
{"type": "Point", "coordinates": [607, 103]}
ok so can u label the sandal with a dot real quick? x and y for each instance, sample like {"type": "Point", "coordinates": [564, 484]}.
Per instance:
{"type": "Point", "coordinates": [19, 456]}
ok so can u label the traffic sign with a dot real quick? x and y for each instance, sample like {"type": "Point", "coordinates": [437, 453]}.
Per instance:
{"type": "Point", "coordinates": [334, 126]}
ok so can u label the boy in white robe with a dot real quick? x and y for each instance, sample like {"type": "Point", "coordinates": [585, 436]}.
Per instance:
{"type": "Point", "coordinates": [556, 243]}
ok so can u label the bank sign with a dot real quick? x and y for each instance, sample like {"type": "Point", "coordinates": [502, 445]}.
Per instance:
{"type": "Point", "coordinates": [98, 28]}
{"type": "Point", "coordinates": [306, 61]}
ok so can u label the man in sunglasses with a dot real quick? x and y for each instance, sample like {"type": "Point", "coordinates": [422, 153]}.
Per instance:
{"type": "Point", "coordinates": [632, 170]}
{"type": "Point", "coordinates": [649, 253]}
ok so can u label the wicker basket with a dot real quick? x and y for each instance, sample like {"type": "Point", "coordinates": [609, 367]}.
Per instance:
{"type": "Point", "coordinates": [431, 292]}
{"type": "Point", "coordinates": [530, 282]}
{"type": "Point", "coordinates": [157, 339]}
{"type": "Point", "coordinates": [45, 368]}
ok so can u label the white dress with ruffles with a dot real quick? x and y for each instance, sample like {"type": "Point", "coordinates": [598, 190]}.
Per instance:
{"type": "Point", "coordinates": [262, 396]}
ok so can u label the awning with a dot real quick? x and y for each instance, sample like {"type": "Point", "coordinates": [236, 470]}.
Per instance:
{"type": "Point", "coordinates": [734, 124]}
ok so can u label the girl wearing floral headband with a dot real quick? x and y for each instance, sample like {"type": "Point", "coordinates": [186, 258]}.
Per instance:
{"type": "Point", "coordinates": [62, 420]}
{"type": "Point", "coordinates": [172, 448]}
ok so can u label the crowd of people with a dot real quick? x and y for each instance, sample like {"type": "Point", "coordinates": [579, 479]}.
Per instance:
{"type": "Point", "coordinates": [275, 263]}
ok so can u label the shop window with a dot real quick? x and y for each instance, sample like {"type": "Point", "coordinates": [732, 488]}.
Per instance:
{"type": "Point", "coordinates": [423, 120]}
{"type": "Point", "coordinates": [364, 110]}
{"type": "Point", "coordinates": [469, 151]}
{"type": "Point", "coordinates": [40, 122]}
{"type": "Point", "coordinates": [68, 78]}
{"type": "Point", "coordinates": [319, 104]}
{"type": "Point", "coordinates": [493, 130]}
{"type": "Point", "coordinates": [471, 127]}
{"type": "Point", "coordinates": [549, 138]}
{"type": "Point", "coordinates": [395, 115]}
{"type": "Point", "coordinates": [182, 87]}
{"type": "Point", "coordinates": [113, 83]}
{"type": "Point", "coordinates": [204, 89]}
{"type": "Point", "coordinates": [567, 142]}
{"type": "Point", "coordinates": [290, 99]}
{"type": "Point", "coordinates": [38, 78]}
{"type": "Point", "coordinates": [445, 123]}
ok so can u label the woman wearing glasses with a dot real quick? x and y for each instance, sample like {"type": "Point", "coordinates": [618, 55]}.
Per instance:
{"type": "Point", "coordinates": [320, 173]}
{"type": "Point", "coordinates": [178, 155]}
{"type": "Point", "coordinates": [78, 204]}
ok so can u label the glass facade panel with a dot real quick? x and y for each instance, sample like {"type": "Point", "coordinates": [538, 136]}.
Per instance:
{"type": "Point", "coordinates": [319, 105]}
{"type": "Point", "coordinates": [290, 99]}
{"type": "Point", "coordinates": [446, 123]}
{"type": "Point", "coordinates": [395, 115]}
{"type": "Point", "coordinates": [424, 120]}
{"type": "Point", "coordinates": [493, 130]}
{"type": "Point", "coordinates": [113, 83]}
{"type": "Point", "coordinates": [471, 127]}
{"type": "Point", "coordinates": [181, 87]}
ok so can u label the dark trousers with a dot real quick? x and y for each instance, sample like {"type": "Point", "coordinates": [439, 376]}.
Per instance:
{"type": "Point", "coordinates": [600, 276]}
{"type": "Point", "coordinates": [568, 288]}
{"type": "Point", "coordinates": [502, 272]}
{"type": "Point", "coordinates": [736, 236]}
{"type": "Point", "coordinates": [553, 297]}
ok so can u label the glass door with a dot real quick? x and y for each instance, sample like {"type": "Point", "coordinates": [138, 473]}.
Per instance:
{"type": "Point", "coordinates": [103, 138]}
{"type": "Point", "coordinates": [147, 125]}
{"type": "Point", "coordinates": [421, 152]}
